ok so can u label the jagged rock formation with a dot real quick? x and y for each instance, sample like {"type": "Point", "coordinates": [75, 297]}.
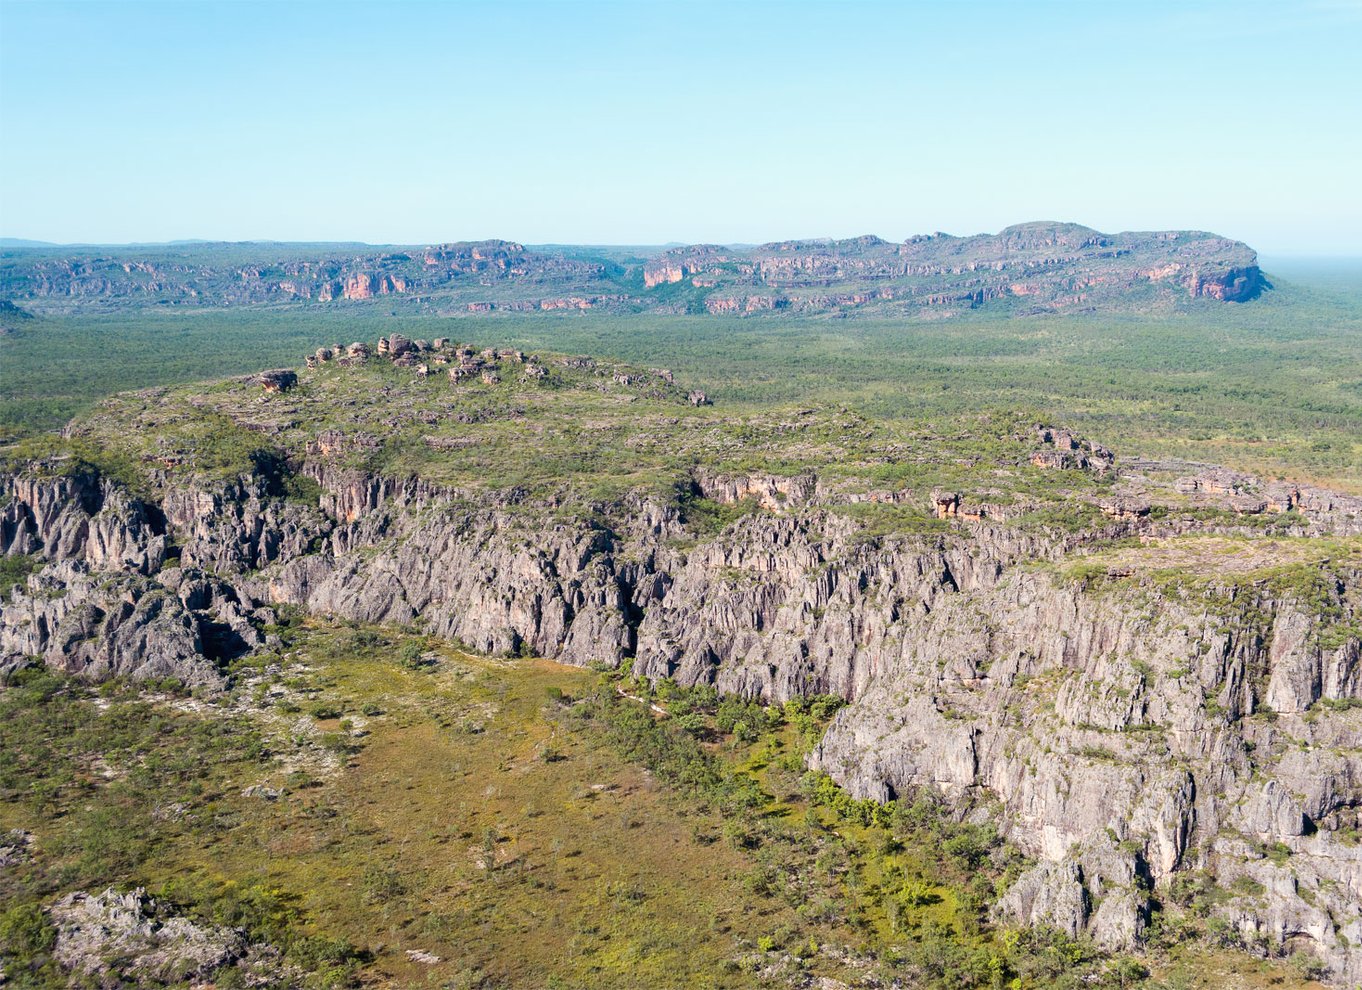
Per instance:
{"type": "Point", "coordinates": [1127, 736]}
{"type": "Point", "coordinates": [1039, 266]}
{"type": "Point", "coordinates": [1034, 267]}
{"type": "Point", "coordinates": [110, 603]}
{"type": "Point", "coordinates": [128, 939]}
{"type": "Point", "coordinates": [1185, 699]}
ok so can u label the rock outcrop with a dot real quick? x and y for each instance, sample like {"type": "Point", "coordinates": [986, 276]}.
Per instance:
{"type": "Point", "coordinates": [125, 939]}
{"type": "Point", "coordinates": [1125, 722]}
{"type": "Point", "coordinates": [278, 380]}
{"type": "Point", "coordinates": [1127, 736]}
{"type": "Point", "coordinates": [1034, 267]}
{"type": "Point", "coordinates": [110, 602]}
{"type": "Point", "coordinates": [1029, 268]}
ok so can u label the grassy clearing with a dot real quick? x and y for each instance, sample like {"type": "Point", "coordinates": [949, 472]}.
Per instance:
{"type": "Point", "coordinates": [1273, 386]}
{"type": "Point", "coordinates": [526, 823]}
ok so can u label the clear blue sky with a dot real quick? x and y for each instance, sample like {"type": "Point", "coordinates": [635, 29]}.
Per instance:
{"type": "Point", "coordinates": [651, 122]}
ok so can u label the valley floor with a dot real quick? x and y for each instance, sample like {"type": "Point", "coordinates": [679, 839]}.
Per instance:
{"type": "Point", "coordinates": [366, 807]}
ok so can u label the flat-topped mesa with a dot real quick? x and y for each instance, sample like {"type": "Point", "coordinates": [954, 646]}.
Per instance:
{"type": "Point", "coordinates": [475, 257]}
{"type": "Point", "coordinates": [1028, 268]}
{"type": "Point", "coordinates": [675, 264]}
{"type": "Point", "coordinates": [1045, 267]}
{"type": "Point", "coordinates": [1041, 235]}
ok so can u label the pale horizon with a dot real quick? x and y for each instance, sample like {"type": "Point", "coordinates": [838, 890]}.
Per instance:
{"type": "Point", "coordinates": [639, 124]}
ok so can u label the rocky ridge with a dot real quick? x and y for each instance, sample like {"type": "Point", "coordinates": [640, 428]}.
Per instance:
{"type": "Point", "coordinates": [1034, 267]}
{"type": "Point", "coordinates": [1129, 724]}
{"type": "Point", "coordinates": [1028, 268]}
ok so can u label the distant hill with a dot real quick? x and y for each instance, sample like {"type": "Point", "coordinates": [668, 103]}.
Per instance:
{"type": "Point", "coordinates": [1029, 268]}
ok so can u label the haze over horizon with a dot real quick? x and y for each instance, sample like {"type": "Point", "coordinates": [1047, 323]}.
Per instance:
{"type": "Point", "coordinates": [615, 123]}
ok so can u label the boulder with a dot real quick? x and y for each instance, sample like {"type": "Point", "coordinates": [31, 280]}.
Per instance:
{"type": "Point", "coordinates": [279, 380]}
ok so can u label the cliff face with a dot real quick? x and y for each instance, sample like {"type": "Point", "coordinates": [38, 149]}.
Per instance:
{"type": "Point", "coordinates": [1126, 737]}
{"type": "Point", "coordinates": [111, 600]}
{"type": "Point", "coordinates": [1124, 733]}
{"type": "Point", "coordinates": [1028, 268]}
{"type": "Point", "coordinates": [1035, 267]}
{"type": "Point", "coordinates": [217, 275]}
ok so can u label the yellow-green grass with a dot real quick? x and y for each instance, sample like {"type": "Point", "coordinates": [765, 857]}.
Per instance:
{"type": "Point", "coordinates": [597, 877]}
{"type": "Point", "coordinates": [479, 819]}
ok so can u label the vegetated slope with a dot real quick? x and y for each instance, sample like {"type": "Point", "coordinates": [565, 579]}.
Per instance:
{"type": "Point", "coordinates": [1029, 268]}
{"type": "Point", "coordinates": [1274, 388]}
{"type": "Point", "coordinates": [1145, 674]}
{"type": "Point", "coordinates": [368, 807]}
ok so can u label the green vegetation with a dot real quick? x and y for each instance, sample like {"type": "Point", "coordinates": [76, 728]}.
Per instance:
{"type": "Point", "coordinates": [1273, 386]}
{"type": "Point", "coordinates": [384, 800]}
{"type": "Point", "coordinates": [522, 823]}
{"type": "Point", "coordinates": [14, 571]}
{"type": "Point", "coordinates": [578, 440]}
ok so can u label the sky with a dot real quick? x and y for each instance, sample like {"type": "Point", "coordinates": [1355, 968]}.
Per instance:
{"type": "Point", "coordinates": [653, 122]}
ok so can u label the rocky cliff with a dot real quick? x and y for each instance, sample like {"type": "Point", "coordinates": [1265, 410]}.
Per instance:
{"type": "Point", "coordinates": [1029, 268]}
{"type": "Point", "coordinates": [1169, 695]}
{"type": "Point", "coordinates": [1123, 734]}
{"type": "Point", "coordinates": [256, 274]}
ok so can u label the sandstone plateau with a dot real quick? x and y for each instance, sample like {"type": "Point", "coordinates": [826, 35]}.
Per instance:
{"type": "Point", "coordinates": [1167, 692]}
{"type": "Point", "coordinates": [1028, 268]}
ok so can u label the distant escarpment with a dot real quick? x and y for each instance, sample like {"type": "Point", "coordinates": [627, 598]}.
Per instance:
{"type": "Point", "coordinates": [1029, 268]}
{"type": "Point", "coordinates": [1148, 674]}
{"type": "Point", "coordinates": [1032, 267]}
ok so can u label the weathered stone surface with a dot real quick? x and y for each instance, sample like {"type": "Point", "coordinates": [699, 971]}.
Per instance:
{"type": "Point", "coordinates": [1128, 723]}
{"type": "Point", "coordinates": [279, 380]}
{"type": "Point", "coordinates": [97, 627]}
{"type": "Point", "coordinates": [123, 937]}
{"type": "Point", "coordinates": [14, 847]}
{"type": "Point", "coordinates": [1125, 734]}
{"type": "Point", "coordinates": [1030, 268]}
{"type": "Point", "coordinates": [81, 517]}
{"type": "Point", "coordinates": [105, 605]}
{"type": "Point", "coordinates": [1050, 894]}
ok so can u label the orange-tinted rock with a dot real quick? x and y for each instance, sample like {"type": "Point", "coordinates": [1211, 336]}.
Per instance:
{"type": "Point", "coordinates": [278, 380]}
{"type": "Point", "coordinates": [945, 505]}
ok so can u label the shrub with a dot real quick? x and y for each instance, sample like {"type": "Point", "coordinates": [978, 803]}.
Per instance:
{"type": "Point", "coordinates": [412, 655]}
{"type": "Point", "coordinates": [26, 934]}
{"type": "Point", "coordinates": [382, 884]}
{"type": "Point", "coordinates": [971, 844]}
{"type": "Point", "coordinates": [14, 571]}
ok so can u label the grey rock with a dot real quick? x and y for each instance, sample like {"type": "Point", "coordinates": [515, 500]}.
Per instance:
{"type": "Point", "coordinates": [14, 847]}
{"type": "Point", "coordinates": [1125, 734]}
{"type": "Point", "coordinates": [125, 937]}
